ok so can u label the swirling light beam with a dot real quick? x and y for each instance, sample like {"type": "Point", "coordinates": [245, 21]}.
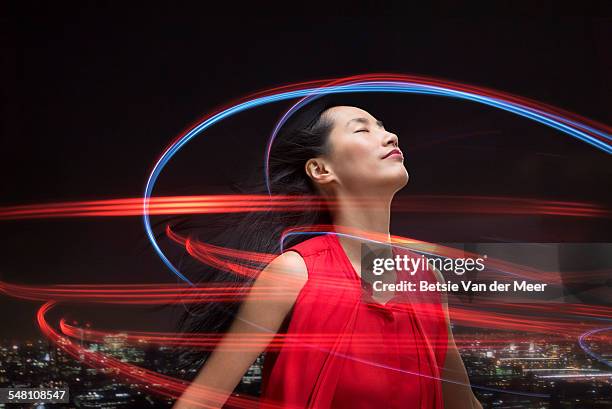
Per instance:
{"type": "Point", "coordinates": [219, 204]}
{"type": "Point", "coordinates": [594, 134]}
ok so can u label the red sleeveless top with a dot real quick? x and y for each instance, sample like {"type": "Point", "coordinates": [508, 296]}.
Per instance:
{"type": "Point", "coordinates": [355, 352]}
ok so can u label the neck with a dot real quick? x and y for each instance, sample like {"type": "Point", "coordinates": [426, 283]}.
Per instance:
{"type": "Point", "coordinates": [371, 215]}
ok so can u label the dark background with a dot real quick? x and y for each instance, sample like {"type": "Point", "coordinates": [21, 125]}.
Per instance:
{"type": "Point", "coordinates": [92, 94]}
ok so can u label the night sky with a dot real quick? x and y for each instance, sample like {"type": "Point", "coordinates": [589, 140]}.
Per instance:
{"type": "Point", "coordinates": [92, 95]}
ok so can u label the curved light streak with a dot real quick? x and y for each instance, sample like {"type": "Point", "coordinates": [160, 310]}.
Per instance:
{"type": "Point", "coordinates": [583, 344]}
{"type": "Point", "coordinates": [598, 138]}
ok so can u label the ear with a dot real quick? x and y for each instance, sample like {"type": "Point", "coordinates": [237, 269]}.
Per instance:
{"type": "Point", "coordinates": [319, 171]}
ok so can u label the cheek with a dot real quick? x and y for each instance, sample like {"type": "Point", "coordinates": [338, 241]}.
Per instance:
{"type": "Point", "coordinates": [358, 164]}
{"type": "Point", "coordinates": [355, 158]}
{"type": "Point", "coordinates": [354, 148]}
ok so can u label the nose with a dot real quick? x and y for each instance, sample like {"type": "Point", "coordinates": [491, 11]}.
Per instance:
{"type": "Point", "coordinates": [391, 139]}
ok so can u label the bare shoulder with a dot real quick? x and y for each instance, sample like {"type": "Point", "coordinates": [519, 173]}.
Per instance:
{"type": "Point", "coordinates": [273, 293]}
{"type": "Point", "coordinates": [437, 274]}
{"type": "Point", "coordinates": [290, 262]}
{"type": "Point", "coordinates": [440, 279]}
{"type": "Point", "coordinates": [293, 261]}
{"type": "Point", "coordinates": [287, 268]}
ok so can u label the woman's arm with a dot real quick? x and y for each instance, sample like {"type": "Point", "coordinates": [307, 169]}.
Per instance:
{"type": "Point", "coordinates": [283, 278]}
{"type": "Point", "coordinates": [455, 384]}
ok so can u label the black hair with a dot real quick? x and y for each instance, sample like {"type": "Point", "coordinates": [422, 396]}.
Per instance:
{"type": "Point", "coordinates": [303, 136]}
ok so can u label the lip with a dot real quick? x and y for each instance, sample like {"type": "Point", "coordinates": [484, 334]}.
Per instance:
{"type": "Point", "coordinates": [393, 153]}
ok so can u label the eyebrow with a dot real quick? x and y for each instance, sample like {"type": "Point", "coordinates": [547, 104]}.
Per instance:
{"type": "Point", "coordinates": [364, 121]}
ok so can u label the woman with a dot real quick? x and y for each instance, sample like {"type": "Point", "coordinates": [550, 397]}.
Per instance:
{"type": "Point", "coordinates": [334, 150]}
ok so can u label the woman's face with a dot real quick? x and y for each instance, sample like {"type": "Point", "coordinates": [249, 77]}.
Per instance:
{"type": "Point", "coordinates": [364, 158]}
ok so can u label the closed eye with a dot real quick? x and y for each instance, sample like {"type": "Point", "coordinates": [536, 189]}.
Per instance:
{"type": "Point", "coordinates": [362, 130]}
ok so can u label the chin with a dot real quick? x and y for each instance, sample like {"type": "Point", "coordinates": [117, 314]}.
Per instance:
{"type": "Point", "coordinates": [403, 180]}
{"type": "Point", "coordinates": [397, 180]}
{"type": "Point", "coordinates": [402, 176]}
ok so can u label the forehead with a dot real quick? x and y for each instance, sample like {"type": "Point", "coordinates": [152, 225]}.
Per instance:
{"type": "Point", "coordinates": [341, 115]}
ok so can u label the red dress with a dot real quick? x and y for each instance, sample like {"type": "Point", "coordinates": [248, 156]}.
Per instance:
{"type": "Point", "coordinates": [355, 352]}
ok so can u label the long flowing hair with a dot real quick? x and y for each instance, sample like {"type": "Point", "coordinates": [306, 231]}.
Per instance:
{"type": "Point", "coordinates": [304, 135]}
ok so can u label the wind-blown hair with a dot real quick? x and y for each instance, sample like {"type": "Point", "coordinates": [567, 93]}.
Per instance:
{"type": "Point", "coordinates": [304, 135]}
